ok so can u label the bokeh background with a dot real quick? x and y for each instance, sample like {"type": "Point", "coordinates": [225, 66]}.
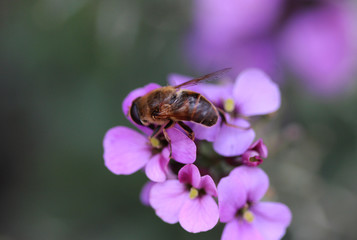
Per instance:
{"type": "Point", "coordinates": [67, 65]}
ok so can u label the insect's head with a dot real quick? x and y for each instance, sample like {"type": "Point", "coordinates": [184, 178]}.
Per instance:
{"type": "Point", "coordinates": [134, 112]}
{"type": "Point", "coordinates": [137, 114]}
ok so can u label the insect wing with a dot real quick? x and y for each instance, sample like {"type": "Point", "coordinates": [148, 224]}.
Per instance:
{"type": "Point", "coordinates": [208, 77]}
{"type": "Point", "coordinates": [167, 112]}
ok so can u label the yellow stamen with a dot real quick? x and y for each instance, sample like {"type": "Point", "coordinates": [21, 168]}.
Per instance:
{"type": "Point", "coordinates": [248, 216]}
{"type": "Point", "coordinates": [229, 105]}
{"type": "Point", "coordinates": [155, 142]}
{"type": "Point", "coordinates": [193, 193]}
{"type": "Point", "coordinates": [253, 159]}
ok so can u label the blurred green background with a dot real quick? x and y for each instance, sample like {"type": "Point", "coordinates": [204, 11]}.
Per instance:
{"type": "Point", "coordinates": [67, 65]}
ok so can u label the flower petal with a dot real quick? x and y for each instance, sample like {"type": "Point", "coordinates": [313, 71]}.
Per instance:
{"type": "Point", "coordinates": [183, 148]}
{"type": "Point", "coordinates": [199, 214]}
{"type": "Point", "coordinates": [260, 147]}
{"type": "Point", "coordinates": [208, 185]}
{"type": "Point", "coordinates": [216, 93]}
{"type": "Point", "coordinates": [145, 193]}
{"type": "Point", "coordinates": [233, 141]}
{"type": "Point", "coordinates": [125, 150]}
{"type": "Point", "coordinates": [255, 93]}
{"type": "Point", "coordinates": [237, 229]}
{"type": "Point", "coordinates": [189, 174]}
{"type": "Point", "coordinates": [156, 168]}
{"type": "Point", "coordinates": [231, 197]}
{"type": "Point", "coordinates": [271, 219]}
{"type": "Point", "coordinates": [167, 199]}
{"type": "Point", "coordinates": [206, 133]}
{"type": "Point", "coordinates": [254, 180]}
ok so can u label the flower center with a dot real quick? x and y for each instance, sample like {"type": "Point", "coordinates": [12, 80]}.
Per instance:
{"type": "Point", "coordinates": [229, 105]}
{"type": "Point", "coordinates": [248, 216]}
{"type": "Point", "coordinates": [253, 159]}
{"type": "Point", "coordinates": [193, 193]}
{"type": "Point", "coordinates": [155, 142]}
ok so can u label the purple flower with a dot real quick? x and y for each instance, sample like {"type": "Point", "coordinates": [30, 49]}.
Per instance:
{"type": "Point", "coordinates": [126, 151]}
{"type": "Point", "coordinates": [253, 93]}
{"type": "Point", "coordinates": [319, 46]}
{"type": "Point", "coordinates": [188, 200]}
{"type": "Point", "coordinates": [234, 33]}
{"type": "Point", "coordinates": [255, 154]}
{"type": "Point", "coordinates": [246, 218]}
{"type": "Point", "coordinates": [145, 193]}
{"type": "Point", "coordinates": [224, 21]}
{"type": "Point", "coordinates": [259, 52]}
{"type": "Point", "coordinates": [317, 42]}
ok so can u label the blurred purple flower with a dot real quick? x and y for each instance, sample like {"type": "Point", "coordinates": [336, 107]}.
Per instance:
{"type": "Point", "coordinates": [225, 20]}
{"type": "Point", "coordinates": [255, 154]}
{"type": "Point", "coordinates": [246, 218]}
{"type": "Point", "coordinates": [319, 47]}
{"type": "Point", "coordinates": [258, 52]}
{"type": "Point", "coordinates": [188, 200]}
{"type": "Point", "coordinates": [145, 193]}
{"type": "Point", "coordinates": [317, 42]}
{"type": "Point", "coordinates": [253, 93]}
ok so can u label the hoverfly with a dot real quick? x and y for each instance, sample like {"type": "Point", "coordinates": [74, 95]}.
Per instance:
{"type": "Point", "coordinates": [165, 106]}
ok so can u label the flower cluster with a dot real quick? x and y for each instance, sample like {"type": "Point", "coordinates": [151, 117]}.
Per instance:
{"type": "Point", "coordinates": [313, 39]}
{"type": "Point", "coordinates": [213, 177]}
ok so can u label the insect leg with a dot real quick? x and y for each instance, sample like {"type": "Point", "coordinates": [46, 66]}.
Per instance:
{"type": "Point", "coordinates": [224, 119]}
{"type": "Point", "coordinates": [156, 131]}
{"type": "Point", "coordinates": [167, 126]}
{"type": "Point", "coordinates": [187, 129]}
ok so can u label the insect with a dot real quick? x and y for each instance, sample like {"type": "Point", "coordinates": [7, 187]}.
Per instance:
{"type": "Point", "coordinates": [163, 107]}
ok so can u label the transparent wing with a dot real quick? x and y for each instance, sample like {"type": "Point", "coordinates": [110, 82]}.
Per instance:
{"type": "Point", "coordinates": [208, 77]}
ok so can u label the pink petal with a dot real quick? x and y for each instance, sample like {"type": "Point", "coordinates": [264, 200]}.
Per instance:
{"type": "Point", "coordinates": [145, 193]}
{"type": "Point", "coordinates": [260, 147]}
{"type": "Point", "coordinates": [156, 168]}
{"type": "Point", "coordinates": [238, 229]}
{"type": "Point", "coordinates": [216, 93]}
{"type": "Point", "coordinates": [254, 180]}
{"type": "Point", "coordinates": [206, 133]}
{"type": "Point", "coordinates": [125, 150]}
{"type": "Point", "coordinates": [208, 185]}
{"type": "Point", "coordinates": [255, 93]}
{"type": "Point", "coordinates": [189, 174]}
{"type": "Point", "coordinates": [271, 219]}
{"type": "Point", "coordinates": [199, 214]}
{"type": "Point", "coordinates": [167, 199]}
{"type": "Point", "coordinates": [183, 148]}
{"type": "Point", "coordinates": [231, 197]}
{"type": "Point", "coordinates": [233, 141]}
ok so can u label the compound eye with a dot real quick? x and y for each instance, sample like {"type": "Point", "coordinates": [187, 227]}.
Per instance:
{"type": "Point", "coordinates": [134, 112]}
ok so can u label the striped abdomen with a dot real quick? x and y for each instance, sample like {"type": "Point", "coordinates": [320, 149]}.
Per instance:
{"type": "Point", "coordinates": [191, 106]}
